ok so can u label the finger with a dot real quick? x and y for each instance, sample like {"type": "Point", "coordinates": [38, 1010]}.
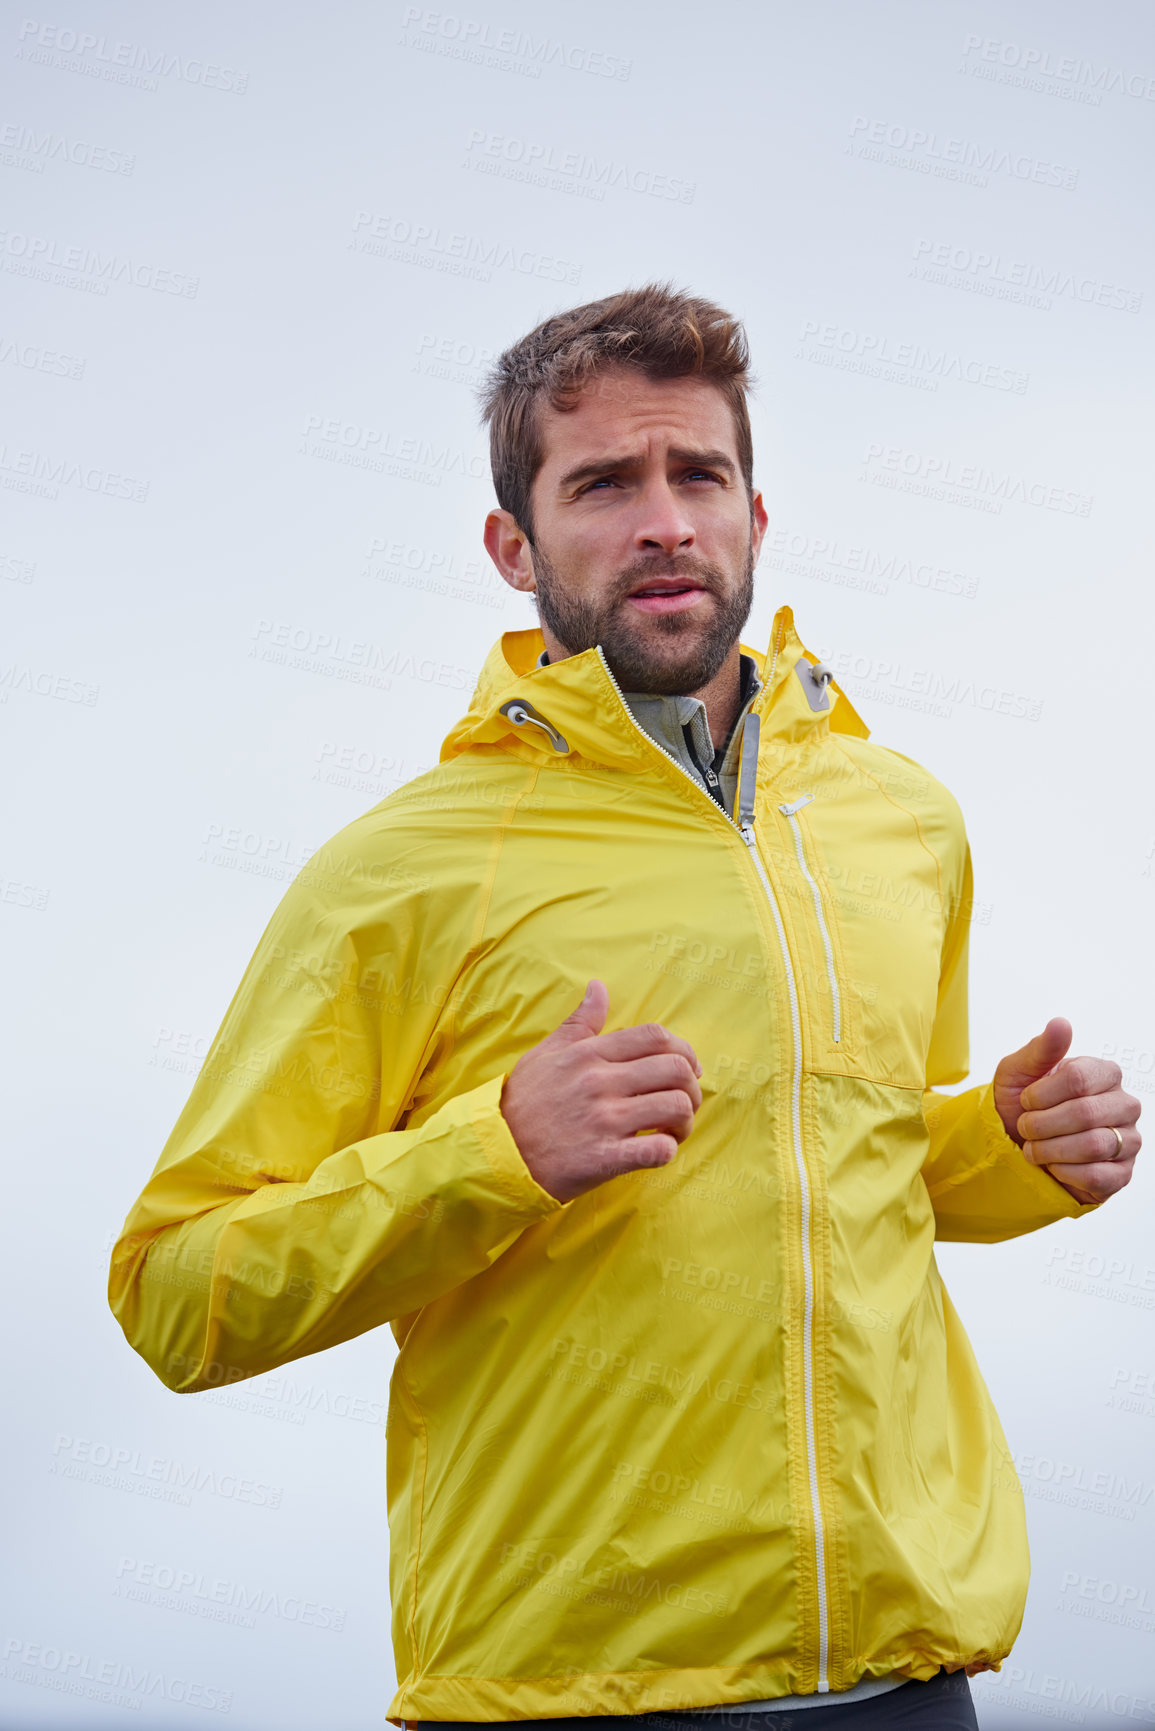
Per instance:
{"type": "Point", "coordinates": [1085, 1112]}
{"type": "Point", "coordinates": [1093, 1183]}
{"type": "Point", "coordinates": [1073, 1077]}
{"type": "Point", "coordinates": [654, 1076]}
{"type": "Point", "coordinates": [643, 1151]}
{"type": "Point", "coordinates": [1039, 1055]}
{"type": "Point", "coordinates": [1089, 1147]}
{"type": "Point", "coordinates": [643, 1041]}
{"type": "Point", "coordinates": [589, 1017]}
{"type": "Point", "coordinates": [1082, 1195]}
{"type": "Point", "coordinates": [671, 1112]}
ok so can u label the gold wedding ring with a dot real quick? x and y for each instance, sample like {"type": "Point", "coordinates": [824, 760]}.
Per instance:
{"type": "Point", "coordinates": [1119, 1140]}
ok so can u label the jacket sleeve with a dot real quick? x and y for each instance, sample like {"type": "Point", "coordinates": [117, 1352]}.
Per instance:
{"type": "Point", "coordinates": [287, 1211]}
{"type": "Point", "coordinates": [981, 1185]}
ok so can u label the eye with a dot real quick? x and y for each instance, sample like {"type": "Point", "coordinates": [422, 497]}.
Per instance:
{"type": "Point", "coordinates": [590, 485]}
{"type": "Point", "coordinates": [705, 474]}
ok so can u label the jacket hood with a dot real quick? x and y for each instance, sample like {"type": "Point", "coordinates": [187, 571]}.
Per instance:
{"type": "Point", "coordinates": [575, 706]}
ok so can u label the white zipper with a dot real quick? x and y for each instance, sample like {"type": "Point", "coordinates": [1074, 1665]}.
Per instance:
{"type": "Point", "coordinates": [807, 1272]}
{"type": "Point", "coordinates": [789, 811]}
{"type": "Point", "coordinates": [746, 831]}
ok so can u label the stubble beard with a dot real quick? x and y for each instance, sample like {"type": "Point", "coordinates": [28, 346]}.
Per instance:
{"type": "Point", "coordinates": [667, 654]}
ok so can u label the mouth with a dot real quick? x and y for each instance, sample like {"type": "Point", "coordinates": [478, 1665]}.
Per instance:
{"type": "Point", "coordinates": [666, 595]}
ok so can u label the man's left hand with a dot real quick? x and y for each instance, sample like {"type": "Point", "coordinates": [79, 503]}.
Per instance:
{"type": "Point", "coordinates": [1063, 1113]}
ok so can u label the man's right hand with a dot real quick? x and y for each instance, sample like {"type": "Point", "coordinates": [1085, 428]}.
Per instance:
{"type": "Point", "coordinates": [575, 1102]}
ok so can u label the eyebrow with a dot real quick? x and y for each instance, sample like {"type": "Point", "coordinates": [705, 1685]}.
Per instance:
{"type": "Point", "coordinates": [697, 459]}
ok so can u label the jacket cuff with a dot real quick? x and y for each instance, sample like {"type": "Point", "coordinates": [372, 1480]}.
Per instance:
{"type": "Point", "coordinates": [502, 1152]}
{"type": "Point", "coordinates": [1036, 1181]}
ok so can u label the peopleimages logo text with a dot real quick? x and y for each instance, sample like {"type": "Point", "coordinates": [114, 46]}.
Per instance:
{"type": "Point", "coordinates": [995, 485]}
{"type": "Point", "coordinates": [477, 37]}
{"type": "Point", "coordinates": [992, 268]}
{"type": "Point", "coordinates": [422, 242]}
{"type": "Point", "coordinates": [499, 151]}
{"type": "Point", "coordinates": [39, 41]}
{"type": "Point", "coordinates": [1070, 69]}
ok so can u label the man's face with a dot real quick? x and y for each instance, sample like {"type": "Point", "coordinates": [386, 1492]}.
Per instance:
{"type": "Point", "coordinates": [644, 537]}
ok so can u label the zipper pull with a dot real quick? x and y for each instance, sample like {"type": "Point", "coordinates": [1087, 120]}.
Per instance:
{"type": "Point", "coordinates": [795, 805]}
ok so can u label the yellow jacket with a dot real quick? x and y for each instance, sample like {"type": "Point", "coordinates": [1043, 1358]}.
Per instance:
{"type": "Point", "coordinates": [709, 1432]}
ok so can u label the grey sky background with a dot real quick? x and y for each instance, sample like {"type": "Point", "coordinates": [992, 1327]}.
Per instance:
{"type": "Point", "coordinates": [253, 264]}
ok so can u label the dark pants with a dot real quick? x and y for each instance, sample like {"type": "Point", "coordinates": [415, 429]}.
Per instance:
{"type": "Point", "coordinates": [942, 1704]}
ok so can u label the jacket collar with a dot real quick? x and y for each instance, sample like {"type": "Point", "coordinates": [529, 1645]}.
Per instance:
{"type": "Point", "coordinates": [667, 719]}
{"type": "Point", "coordinates": [573, 707]}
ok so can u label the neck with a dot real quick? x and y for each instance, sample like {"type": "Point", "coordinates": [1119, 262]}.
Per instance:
{"type": "Point", "coordinates": [722, 697]}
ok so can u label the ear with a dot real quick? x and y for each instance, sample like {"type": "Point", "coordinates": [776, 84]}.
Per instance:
{"type": "Point", "coordinates": [759, 526]}
{"type": "Point", "coordinates": [508, 548]}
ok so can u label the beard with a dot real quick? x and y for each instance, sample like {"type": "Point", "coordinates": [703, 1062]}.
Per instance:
{"type": "Point", "coordinates": [662, 654]}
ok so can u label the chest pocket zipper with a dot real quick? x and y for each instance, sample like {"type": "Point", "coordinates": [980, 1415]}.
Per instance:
{"type": "Point", "coordinates": [789, 811]}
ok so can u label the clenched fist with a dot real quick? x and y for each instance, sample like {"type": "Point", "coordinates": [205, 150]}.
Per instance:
{"type": "Point", "coordinates": [575, 1102]}
{"type": "Point", "coordinates": [1064, 1114]}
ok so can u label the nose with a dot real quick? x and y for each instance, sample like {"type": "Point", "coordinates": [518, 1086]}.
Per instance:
{"type": "Point", "coordinates": [662, 520]}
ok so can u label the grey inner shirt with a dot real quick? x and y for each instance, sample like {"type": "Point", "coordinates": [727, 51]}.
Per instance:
{"type": "Point", "coordinates": [680, 726]}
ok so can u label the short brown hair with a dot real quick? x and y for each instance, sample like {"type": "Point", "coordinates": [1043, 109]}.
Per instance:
{"type": "Point", "coordinates": [664, 332]}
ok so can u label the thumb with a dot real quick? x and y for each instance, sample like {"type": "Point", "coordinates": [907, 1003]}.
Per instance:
{"type": "Point", "coordinates": [589, 1017]}
{"type": "Point", "coordinates": [1037, 1057]}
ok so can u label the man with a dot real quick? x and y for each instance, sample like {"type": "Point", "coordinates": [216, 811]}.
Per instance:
{"type": "Point", "coordinates": [587, 1063]}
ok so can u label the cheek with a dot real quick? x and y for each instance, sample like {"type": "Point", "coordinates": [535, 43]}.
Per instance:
{"type": "Point", "coordinates": [727, 544]}
{"type": "Point", "coordinates": [589, 557]}
{"type": "Point", "coordinates": [722, 518]}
